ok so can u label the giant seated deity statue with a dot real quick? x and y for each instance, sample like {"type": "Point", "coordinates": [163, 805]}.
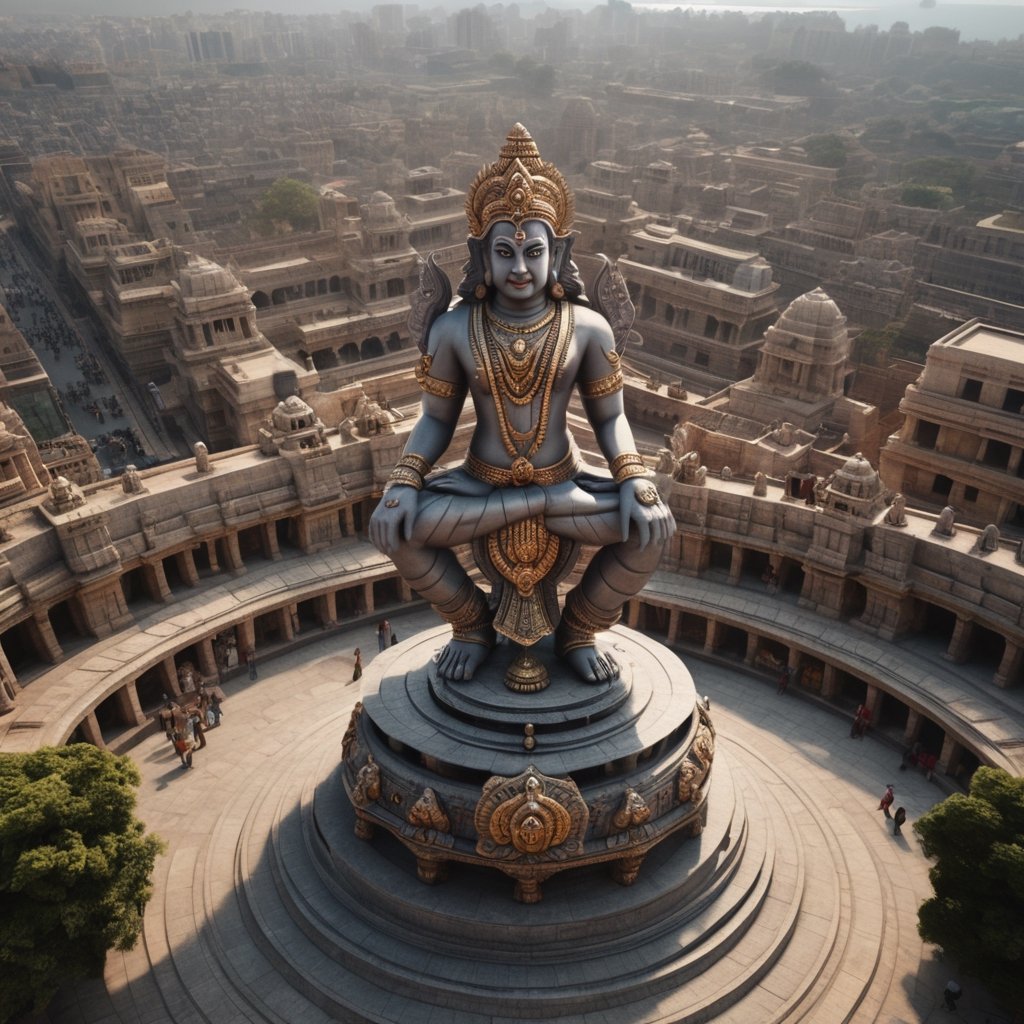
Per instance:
{"type": "Point", "coordinates": [522, 337]}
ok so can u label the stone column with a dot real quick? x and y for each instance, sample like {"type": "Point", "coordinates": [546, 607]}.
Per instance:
{"type": "Point", "coordinates": [187, 567]}
{"type": "Point", "coordinates": [368, 605]}
{"type": "Point", "coordinates": [211, 555]}
{"type": "Point", "coordinates": [327, 609]}
{"type": "Point", "coordinates": [673, 626]}
{"type": "Point", "coordinates": [405, 593]}
{"type": "Point", "coordinates": [960, 642]}
{"type": "Point", "coordinates": [736, 564]}
{"type": "Point", "coordinates": [873, 701]}
{"type": "Point", "coordinates": [246, 634]}
{"type": "Point", "coordinates": [6, 703]}
{"type": "Point", "coordinates": [830, 682]}
{"type": "Point", "coordinates": [168, 672]}
{"type": "Point", "coordinates": [950, 756]}
{"type": "Point", "coordinates": [753, 639]}
{"type": "Point", "coordinates": [156, 580]}
{"type": "Point", "coordinates": [103, 608]}
{"type": "Point", "coordinates": [284, 618]}
{"type": "Point", "coordinates": [912, 730]}
{"type": "Point", "coordinates": [128, 706]}
{"type": "Point", "coordinates": [268, 533]}
{"type": "Point", "coordinates": [44, 638]}
{"type": "Point", "coordinates": [206, 658]}
{"type": "Point", "coordinates": [348, 525]}
{"type": "Point", "coordinates": [632, 615]}
{"type": "Point", "coordinates": [233, 552]}
{"type": "Point", "coordinates": [1009, 671]}
{"type": "Point", "coordinates": [90, 729]}
{"type": "Point", "coordinates": [711, 636]}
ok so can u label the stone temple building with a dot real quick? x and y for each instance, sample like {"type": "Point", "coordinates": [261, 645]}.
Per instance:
{"type": "Point", "coordinates": [961, 442]}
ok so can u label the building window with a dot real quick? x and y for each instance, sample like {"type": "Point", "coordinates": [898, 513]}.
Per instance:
{"type": "Point", "coordinates": [701, 359]}
{"type": "Point", "coordinates": [927, 434]}
{"type": "Point", "coordinates": [1014, 401]}
{"type": "Point", "coordinates": [970, 494]}
{"type": "Point", "coordinates": [942, 485]}
{"type": "Point", "coordinates": [997, 455]}
{"type": "Point", "coordinates": [971, 390]}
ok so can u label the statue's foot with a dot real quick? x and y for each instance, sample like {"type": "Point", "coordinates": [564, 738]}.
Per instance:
{"type": "Point", "coordinates": [592, 665]}
{"type": "Point", "coordinates": [459, 659]}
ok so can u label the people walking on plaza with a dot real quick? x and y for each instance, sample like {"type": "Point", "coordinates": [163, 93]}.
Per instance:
{"type": "Point", "coordinates": [199, 729]}
{"type": "Point", "coordinates": [215, 707]}
{"type": "Point", "coordinates": [381, 643]}
{"type": "Point", "coordinates": [250, 660]}
{"type": "Point", "coordinates": [861, 721]}
{"type": "Point", "coordinates": [886, 802]}
{"type": "Point", "coordinates": [951, 993]}
{"type": "Point", "coordinates": [394, 638]}
{"type": "Point", "coordinates": [357, 668]}
{"type": "Point", "coordinates": [897, 820]}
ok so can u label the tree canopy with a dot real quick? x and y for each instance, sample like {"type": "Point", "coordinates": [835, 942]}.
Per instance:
{"type": "Point", "coordinates": [825, 150]}
{"type": "Point", "coordinates": [949, 172]}
{"type": "Point", "coordinates": [75, 867]}
{"type": "Point", "coordinates": [978, 877]}
{"type": "Point", "coordinates": [289, 202]}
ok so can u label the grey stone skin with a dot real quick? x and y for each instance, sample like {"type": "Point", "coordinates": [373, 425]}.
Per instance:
{"type": "Point", "coordinates": [420, 528]}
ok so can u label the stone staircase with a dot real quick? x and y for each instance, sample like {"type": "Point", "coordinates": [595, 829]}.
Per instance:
{"type": "Point", "coordinates": [321, 926]}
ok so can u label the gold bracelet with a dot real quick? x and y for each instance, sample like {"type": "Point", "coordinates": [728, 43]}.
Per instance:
{"type": "Point", "coordinates": [416, 463]}
{"type": "Point", "coordinates": [605, 386]}
{"type": "Point", "coordinates": [626, 465]}
{"type": "Point", "coordinates": [407, 476]}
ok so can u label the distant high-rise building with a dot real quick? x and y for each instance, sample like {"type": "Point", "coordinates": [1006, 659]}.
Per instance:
{"type": "Point", "coordinates": [212, 45]}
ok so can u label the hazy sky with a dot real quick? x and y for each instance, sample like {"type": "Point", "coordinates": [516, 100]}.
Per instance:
{"type": "Point", "coordinates": [158, 7]}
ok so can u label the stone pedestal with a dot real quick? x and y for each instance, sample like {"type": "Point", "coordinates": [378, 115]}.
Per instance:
{"type": "Point", "coordinates": [529, 784]}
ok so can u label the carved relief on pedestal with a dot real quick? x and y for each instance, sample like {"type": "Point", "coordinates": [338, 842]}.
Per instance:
{"type": "Point", "coordinates": [530, 817]}
{"type": "Point", "coordinates": [367, 788]}
{"type": "Point", "coordinates": [427, 816]}
{"type": "Point", "coordinates": [694, 769]}
{"type": "Point", "coordinates": [633, 812]}
{"type": "Point", "coordinates": [348, 741]}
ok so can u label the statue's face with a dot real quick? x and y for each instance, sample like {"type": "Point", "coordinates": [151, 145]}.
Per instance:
{"type": "Point", "coordinates": [520, 261]}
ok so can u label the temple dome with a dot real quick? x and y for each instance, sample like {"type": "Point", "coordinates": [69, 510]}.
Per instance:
{"type": "Point", "coordinates": [293, 414]}
{"type": "Point", "coordinates": [201, 278]}
{"type": "Point", "coordinates": [857, 478]}
{"type": "Point", "coordinates": [815, 310]}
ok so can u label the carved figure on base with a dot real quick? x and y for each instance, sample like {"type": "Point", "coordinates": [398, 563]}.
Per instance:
{"type": "Point", "coordinates": [522, 339]}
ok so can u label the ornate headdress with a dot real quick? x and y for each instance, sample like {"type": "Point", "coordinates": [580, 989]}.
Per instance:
{"type": "Point", "coordinates": [519, 186]}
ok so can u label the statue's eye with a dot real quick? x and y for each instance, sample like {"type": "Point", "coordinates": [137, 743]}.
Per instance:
{"type": "Point", "coordinates": [534, 251]}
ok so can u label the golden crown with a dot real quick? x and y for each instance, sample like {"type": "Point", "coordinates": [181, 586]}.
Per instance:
{"type": "Point", "coordinates": [519, 186]}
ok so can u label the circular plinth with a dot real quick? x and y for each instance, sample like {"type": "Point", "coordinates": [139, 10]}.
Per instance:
{"type": "Point", "coordinates": [529, 784]}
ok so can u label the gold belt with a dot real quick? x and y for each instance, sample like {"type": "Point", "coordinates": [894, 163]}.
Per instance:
{"type": "Point", "coordinates": [522, 471]}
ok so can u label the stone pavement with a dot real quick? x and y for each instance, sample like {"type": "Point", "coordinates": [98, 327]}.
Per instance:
{"type": "Point", "coordinates": [171, 977]}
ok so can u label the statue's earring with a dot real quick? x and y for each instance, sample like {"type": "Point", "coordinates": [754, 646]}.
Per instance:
{"type": "Point", "coordinates": [480, 291]}
{"type": "Point", "coordinates": [556, 291]}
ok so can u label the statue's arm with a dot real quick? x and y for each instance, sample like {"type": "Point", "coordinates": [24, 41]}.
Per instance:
{"type": "Point", "coordinates": [600, 385]}
{"type": "Point", "coordinates": [443, 381]}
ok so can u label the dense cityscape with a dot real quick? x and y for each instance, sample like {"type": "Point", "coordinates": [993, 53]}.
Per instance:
{"type": "Point", "coordinates": [213, 228]}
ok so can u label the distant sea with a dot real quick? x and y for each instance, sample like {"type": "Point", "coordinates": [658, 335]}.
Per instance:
{"type": "Point", "coordinates": [990, 22]}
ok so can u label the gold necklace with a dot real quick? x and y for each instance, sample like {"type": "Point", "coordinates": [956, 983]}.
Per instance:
{"type": "Point", "coordinates": [521, 382]}
{"type": "Point", "coordinates": [521, 328]}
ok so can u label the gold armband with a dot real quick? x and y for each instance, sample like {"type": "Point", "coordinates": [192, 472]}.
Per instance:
{"type": "Point", "coordinates": [627, 465]}
{"type": "Point", "coordinates": [605, 386]}
{"type": "Point", "coordinates": [434, 386]}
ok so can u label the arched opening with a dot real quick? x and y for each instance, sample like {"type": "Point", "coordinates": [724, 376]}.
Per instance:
{"type": "Point", "coordinates": [349, 353]}
{"type": "Point", "coordinates": [260, 299]}
{"type": "Point", "coordinates": [325, 359]}
{"type": "Point", "coordinates": [308, 615]}
{"type": "Point", "coordinates": [855, 599]}
{"type": "Point", "coordinates": [287, 531]}
{"type": "Point", "coordinates": [395, 287]}
{"type": "Point", "coordinates": [394, 342]}
{"type": "Point", "coordinates": [721, 556]}
{"type": "Point", "coordinates": [334, 285]}
{"type": "Point", "coordinates": [278, 297]}
{"type": "Point", "coordinates": [385, 592]}
{"type": "Point", "coordinates": [173, 573]}
{"type": "Point", "coordinates": [66, 625]}
{"type": "Point", "coordinates": [151, 688]}
{"type": "Point", "coordinates": [251, 544]}
{"type": "Point", "coordinates": [692, 629]}
{"type": "Point", "coordinates": [371, 348]}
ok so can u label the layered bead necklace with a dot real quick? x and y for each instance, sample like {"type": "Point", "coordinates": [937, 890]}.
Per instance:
{"type": "Point", "coordinates": [519, 363]}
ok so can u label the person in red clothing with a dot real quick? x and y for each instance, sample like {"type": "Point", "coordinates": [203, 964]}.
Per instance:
{"type": "Point", "coordinates": [886, 802]}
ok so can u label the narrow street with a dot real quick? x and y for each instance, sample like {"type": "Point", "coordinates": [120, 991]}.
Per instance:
{"type": "Point", "coordinates": [119, 423]}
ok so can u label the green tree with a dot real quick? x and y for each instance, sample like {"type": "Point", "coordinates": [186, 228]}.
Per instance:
{"type": "Point", "coordinates": [290, 202]}
{"type": "Point", "coordinates": [978, 877]}
{"type": "Point", "coordinates": [949, 172]}
{"type": "Point", "coordinates": [927, 197]}
{"type": "Point", "coordinates": [75, 867]}
{"type": "Point", "coordinates": [825, 150]}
